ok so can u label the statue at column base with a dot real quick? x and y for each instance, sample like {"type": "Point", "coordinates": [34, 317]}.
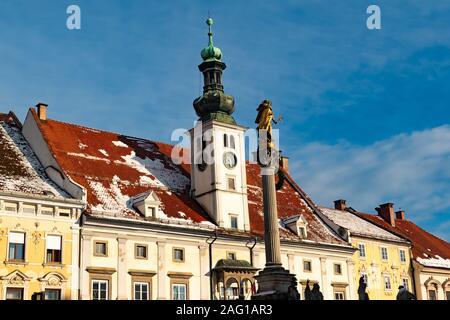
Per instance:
{"type": "Point", "coordinates": [276, 283]}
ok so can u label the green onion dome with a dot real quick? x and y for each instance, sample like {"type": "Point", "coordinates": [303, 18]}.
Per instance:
{"type": "Point", "coordinates": [211, 52]}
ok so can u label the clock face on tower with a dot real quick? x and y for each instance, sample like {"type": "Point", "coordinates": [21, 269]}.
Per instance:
{"type": "Point", "coordinates": [229, 160]}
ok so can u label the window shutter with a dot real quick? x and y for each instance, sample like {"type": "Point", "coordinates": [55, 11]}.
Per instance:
{"type": "Point", "coordinates": [17, 237]}
{"type": "Point", "coordinates": [54, 242]}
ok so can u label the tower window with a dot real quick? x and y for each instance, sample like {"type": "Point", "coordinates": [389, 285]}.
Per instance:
{"type": "Point", "coordinates": [233, 222]}
{"type": "Point", "coordinates": [225, 140]}
{"type": "Point", "coordinates": [231, 183]}
{"type": "Point", "coordinates": [232, 144]}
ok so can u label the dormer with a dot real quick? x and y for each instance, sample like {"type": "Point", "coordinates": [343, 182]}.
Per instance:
{"type": "Point", "coordinates": [147, 203]}
{"type": "Point", "coordinates": [297, 224]}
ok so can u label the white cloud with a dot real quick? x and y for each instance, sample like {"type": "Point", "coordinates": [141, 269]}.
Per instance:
{"type": "Point", "coordinates": [411, 170]}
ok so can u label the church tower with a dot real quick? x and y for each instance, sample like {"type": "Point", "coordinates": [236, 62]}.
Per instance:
{"type": "Point", "coordinates": [218, 170]}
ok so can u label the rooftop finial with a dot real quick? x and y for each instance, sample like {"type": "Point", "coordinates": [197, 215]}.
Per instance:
{"type": "Point", "coordinates": [210, 22]}
{"type": "Point", "coordinates": [211, 52]}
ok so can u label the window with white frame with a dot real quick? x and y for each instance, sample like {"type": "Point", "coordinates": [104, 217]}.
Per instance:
{"type": "Point", "coordinates": [432, 294]}
{"type": "Point", "coordinates": [384, 253]}
{"type": "Point", "coordinates": [52, 294]}
{"type": "Point", "coordinates": [366, 278]}
{"type": "Point", "coordinates": [231, 255]}
{"type": "Point", "coordinates": [231, 182]}
{"type": "Point", "coordinates": [10, 207]}
{"type": "Point", "coordinates": [179, 291]}
{"type": "Point", "coordinates": [339, 295]}
{"type": "Point", "coordinates": [307, 265]}
{"type": "Point", "coordinates": [387, 283]}
{"type": "Point", "coordinates": [141, 291]}
{"type": "Point", "coordinates": [302, 232]}
{"type": "Point", "coordinates": [337, 269]}
{"type": "Point", "coordinates": [99, 289]}
{"type": "Point", "coordinates": [151, 211]}
{"type": "Point", "coordinates": [233, 222]}
{"type": "Point", "coordinates": [405, 283]}
{"type": "Point", "coordinates": [362, 250]}
{"type": "Point", "coordinates": [232, 143]}
{"type": "Point", "coordinates": [29, 209]}
{"type": "Point", "coordinates": [47, 211]}
{"type": "Point", "coordinates": [14, 293]}
{"type": "Point", "coordinates": [178, 254]}
{"type": "Point", "coordinates": [16, 246]}
{"type": "Point", "coordinates": [402, 254]}
{"type": "Point", "coordinates": [54, 249]}
{"type": "Point", "coordinates": [64, 213]}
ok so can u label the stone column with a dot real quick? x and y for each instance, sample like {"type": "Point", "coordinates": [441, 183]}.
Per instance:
{"type": "Point", "coordinates": [204, 271]}
{"type": "Point", "coordinates": [86, 252]}
{"type": "Point", "coordinates": [323, 272]}
{"type": "Point", "coordinates": [272, 236]}
{"type": "Point", "coordinates": [122, 269]}
{"type": "Point", "coordinates": [274, 282]}
{"type": "Point", "coordinates": [162, 272]}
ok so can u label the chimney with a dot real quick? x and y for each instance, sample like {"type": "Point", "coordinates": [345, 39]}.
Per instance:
{"type": "Point", "coordinates": [42, 111]}
{"type": "Point", "coordinates": [386, 211]}
{"type": "Point", "coordinates": [340, 204]}
{"type": "Point", "coordinates": [400, 215]}
{"type": "Point", "coordinates": [284, 163]}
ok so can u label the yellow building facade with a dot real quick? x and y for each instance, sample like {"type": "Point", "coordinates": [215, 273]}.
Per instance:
{"type": "Point", "coordinates": [385, 266]}
{"type": "Point", "coordinates": [38, 251]}
{"type": "Point", "coordinates": [381, 257]}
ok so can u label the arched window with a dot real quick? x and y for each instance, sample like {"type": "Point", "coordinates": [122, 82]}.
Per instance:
{"type": "Point", "coordinates": [225, 140]}
{"type": "Point", "coordinates": [232, 144]}
{"type": "Point", "coordinates": [432, 286]}
{"type": "Point", "coordinates": [246, 289]}
{"type": "Point", "coordinates": [232, 289]}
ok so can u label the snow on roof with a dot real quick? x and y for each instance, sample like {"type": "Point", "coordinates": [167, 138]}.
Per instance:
{"type": "Point", "coordinates": [357, 225]}
{"type": "Point", "coordinates": [437, 262]}
{"type": "Point", "coordinates": [20, 170]}
{"type": "Point", "coordinates": [135, 166]}
{"type": "Point", "coordinates": [423, 243]}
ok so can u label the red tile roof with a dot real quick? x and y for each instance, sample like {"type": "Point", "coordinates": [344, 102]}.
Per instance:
{"type": "Point", "coordinates": [113, 168]}
{"type": "Point", "coordinates": [425, 246]}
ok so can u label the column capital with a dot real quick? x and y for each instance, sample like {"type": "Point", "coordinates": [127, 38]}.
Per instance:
{"type": "Point", "coordinates": [350, 262]}
{"type": "Point", "coordinates": [86, 237]}
{"type": "Point", "coordinates": [121, 240]}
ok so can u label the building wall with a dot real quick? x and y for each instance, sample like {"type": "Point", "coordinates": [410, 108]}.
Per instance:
{"type": "Point", "coordinates": [376, 268]}
{"type": "Point", "coordinates": [35, 274]}
{"type": "Point", "coordinates": [162, 271]}
{"type": "Point", "coordinates": [436, 279]}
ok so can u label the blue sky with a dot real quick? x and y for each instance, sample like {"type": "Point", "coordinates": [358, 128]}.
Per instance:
{"type": "Point", "coordinates": [366, 111]}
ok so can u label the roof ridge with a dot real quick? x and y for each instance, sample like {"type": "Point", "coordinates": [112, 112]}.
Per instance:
{"type": "Point", "coordinates": [106, 131]}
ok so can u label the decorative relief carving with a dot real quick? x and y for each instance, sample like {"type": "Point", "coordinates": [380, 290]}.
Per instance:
{"type": "Point", "coordinates": [36, 236]}
{"type": "Point", "coordinates": [54, 281]}
{"type": "Point", "coordinates": [16, 280]}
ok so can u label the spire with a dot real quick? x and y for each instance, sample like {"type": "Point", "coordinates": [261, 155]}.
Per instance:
{"type": "Point", "coordinates": [214, 104]}
{"type": "Point", "coordinates": [210, 52]}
